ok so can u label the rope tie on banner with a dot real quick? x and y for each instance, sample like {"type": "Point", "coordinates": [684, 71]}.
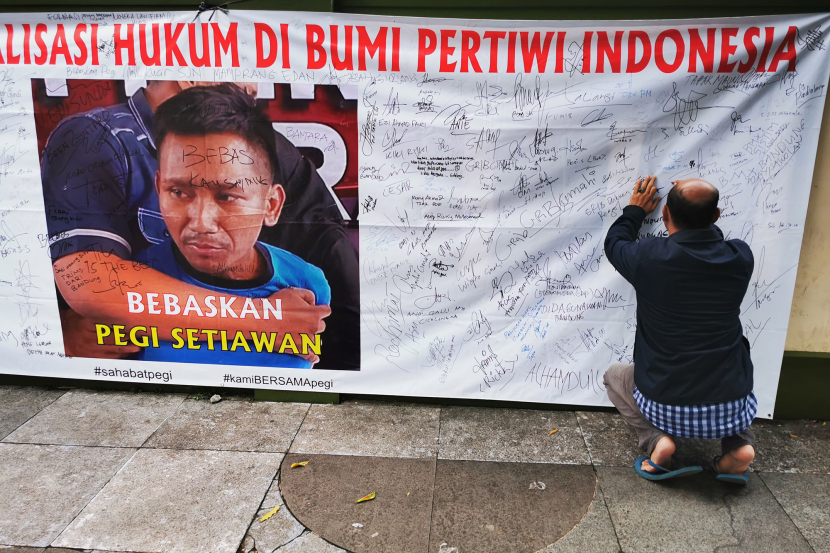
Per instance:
{"type": "Point", "coordinates": [204, 7]}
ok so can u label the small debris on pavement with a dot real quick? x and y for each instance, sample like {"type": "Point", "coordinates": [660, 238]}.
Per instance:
{"type": "Point", "coordinates": [537, 486]}
{"type": "Point", "coordinates": [793, 436]}
{"type": "Point", "coordinates": [369, 497]}
{"type": "Point", "coordinates": [552, 432]}
{"type": "Point", "coordinates": [215, 398]}
{"type": "Point", "coordinates": [375, 535]}
{"type": "Point", "coordinates": [300, 464]}
{"type": "Point", "coordinates": [357, 525]}
{"type": "Point", "coordinates": [407, 494]}
{"type": "Point", "coordinates": [270, 513]}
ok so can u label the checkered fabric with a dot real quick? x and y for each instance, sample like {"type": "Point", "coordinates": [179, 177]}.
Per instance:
{"type": "Point", "coordinates": [708, 422]}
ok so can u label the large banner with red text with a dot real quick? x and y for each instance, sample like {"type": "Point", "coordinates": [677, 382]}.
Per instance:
{"type": "Point", "coordinates": [371, 205]}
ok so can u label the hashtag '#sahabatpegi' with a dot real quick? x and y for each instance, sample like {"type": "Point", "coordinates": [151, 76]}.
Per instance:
{"type": "Point", "coordinates": [228, 377]}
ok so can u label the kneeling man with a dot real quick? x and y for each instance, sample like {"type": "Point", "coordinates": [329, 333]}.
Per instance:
{"type": "Point", "coordinates": [218, 184]}
{"type": "Point", "coordinates": [692, 374]}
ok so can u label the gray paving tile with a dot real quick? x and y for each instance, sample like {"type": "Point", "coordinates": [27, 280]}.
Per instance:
{"type": "Point", "coordinates": [696, 514]}
{"type": "Point", "coordinates": [280, 529]}
{"type": "Point", "coordinates": [697, 449]}
{"type": "Point", "coordinates": [83, 417]}
{"type": "Point", "coordinates": [493, 507]}
{"type": "Point", "coordinates": [322, 496]}
{"type": "Point", "coordinates": [594, 533]}
{"type": "Point", "coordinates": [778, 451]}
{"type": "Point", "coordinates": [20, 403]}
{"type": "Point", "coordinates": [369, 428]}
{"type": "Point", "coordinates": [806, 498]}
{"type": "Point", "coordinates": [236, 425]}
{"type": "Point", "coordinates": [309, 542]}
{"type": "Point", "coordinates": [18, 549]}
{"type": "Point", "coordinates": [511, 435]}
{"type": "Point", "coordinates": [45, 487]}
{"type": "Point", "coordinates": [176, 502]}
{"type": "Point", "coordinates": [65, 550]}
{"type": "Point", "coordinates": [610, 441]}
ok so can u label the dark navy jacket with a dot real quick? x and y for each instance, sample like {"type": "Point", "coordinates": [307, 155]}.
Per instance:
{"type": "Point", "coordinates": [689, 347]}
{"type": "Point", "coordinates": [98, 172]}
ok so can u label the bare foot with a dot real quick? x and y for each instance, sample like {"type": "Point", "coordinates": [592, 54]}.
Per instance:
{"type": "Point", "coordinates": [661, 456]}
{"type": "Point", "coordinates": [736, 461]}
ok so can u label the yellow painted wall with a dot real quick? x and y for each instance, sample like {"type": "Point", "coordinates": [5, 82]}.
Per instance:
{"type": "Point", "coordinates": [809, 328]}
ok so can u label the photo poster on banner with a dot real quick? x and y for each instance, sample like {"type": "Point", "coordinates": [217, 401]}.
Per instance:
{"type": "Point", "coordinates": [192, 199]}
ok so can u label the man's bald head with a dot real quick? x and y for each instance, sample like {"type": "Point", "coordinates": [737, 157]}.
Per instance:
{"type": "Point", "coordinates": [693, 204]}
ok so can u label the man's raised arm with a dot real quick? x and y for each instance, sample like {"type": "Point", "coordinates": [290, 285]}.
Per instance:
{"type": "Point", "coordinates": [621, 246]}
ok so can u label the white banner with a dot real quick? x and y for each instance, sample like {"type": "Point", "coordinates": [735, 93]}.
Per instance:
{"type": "Point", "coordinates": [446, 188]}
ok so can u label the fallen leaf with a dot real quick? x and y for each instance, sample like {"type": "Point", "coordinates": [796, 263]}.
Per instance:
{"type": "Point", "coordinates": [300, 464]}
{"type": "Point", "coordinates": [270, 513]}
{"type": "Point", "coordinates": [552, 432]}
{"type": "Point", "coordinates": [369, 497]}
{"type": "Point", "coordinates": [814, 421]}
{"type": "Point", "coordinates": [824, 424]}
{"type": "Point", "coordinates": [793, 436]}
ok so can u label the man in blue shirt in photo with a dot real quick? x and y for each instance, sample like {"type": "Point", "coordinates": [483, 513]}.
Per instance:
{"type": "Point", "coordinates": [217, 185]}
{"type": "Point", "coordinates": [102, 210]}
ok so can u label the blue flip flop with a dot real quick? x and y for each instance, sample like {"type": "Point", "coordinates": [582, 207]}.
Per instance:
{"type": "Point", "coordinates": [663, 473]}
{"type": "Point", "coordinates": [739, 479]}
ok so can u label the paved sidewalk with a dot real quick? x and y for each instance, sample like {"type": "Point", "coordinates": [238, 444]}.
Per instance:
{"type": "Point", "coordinates": [140, 472]}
